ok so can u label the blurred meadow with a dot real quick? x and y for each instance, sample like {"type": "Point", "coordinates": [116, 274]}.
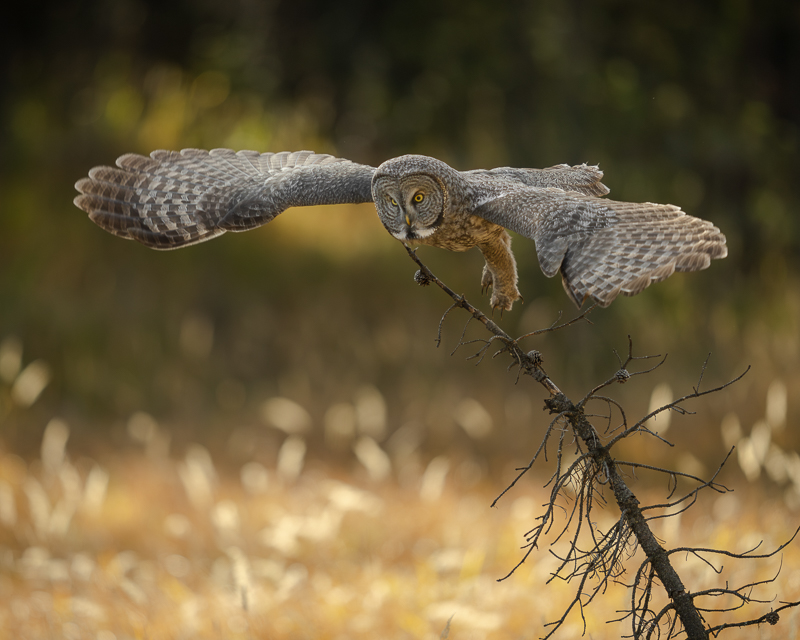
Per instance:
{"type": "Point", "coordinates": [257, 437]}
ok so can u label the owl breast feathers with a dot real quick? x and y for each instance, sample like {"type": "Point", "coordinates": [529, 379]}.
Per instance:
{"type": "Point", "coordinates": [601, 247]}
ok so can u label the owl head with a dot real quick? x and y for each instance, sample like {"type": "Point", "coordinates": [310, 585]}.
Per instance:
{"type": "Point", "coordinates": [411, 195]}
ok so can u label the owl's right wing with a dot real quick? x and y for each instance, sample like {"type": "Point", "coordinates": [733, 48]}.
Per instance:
{"type": "Point", "coordinates": [177, 198]}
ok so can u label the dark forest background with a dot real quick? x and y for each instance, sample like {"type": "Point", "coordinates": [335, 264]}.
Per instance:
{"type": "Point", "coordinates": [691, 103]}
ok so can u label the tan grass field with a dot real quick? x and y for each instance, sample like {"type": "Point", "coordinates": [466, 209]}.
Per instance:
{"type": "Point", "coordinates": [145, 546]}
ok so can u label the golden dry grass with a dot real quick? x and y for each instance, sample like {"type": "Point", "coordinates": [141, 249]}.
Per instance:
{"type": "Point", "coordinates": [144, 546]}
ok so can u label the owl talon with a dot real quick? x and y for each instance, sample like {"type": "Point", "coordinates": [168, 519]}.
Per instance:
{"type": "Point", "coordinates": [487, 280]}
{"type": "Point", "coordinates": [502, 301]}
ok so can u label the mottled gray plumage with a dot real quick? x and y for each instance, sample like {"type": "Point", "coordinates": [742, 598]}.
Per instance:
{"type": "Point", "coordinates": [601, 247]}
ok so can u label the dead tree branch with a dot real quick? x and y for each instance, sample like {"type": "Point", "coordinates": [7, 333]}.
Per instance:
{"type": "Point", "coordinates": [594, 558]}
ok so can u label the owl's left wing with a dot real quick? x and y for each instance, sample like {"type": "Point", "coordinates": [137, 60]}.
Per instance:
{"type": "Point", "coordinates": [603, 247]}
{"type": "Point", "coordinates": [177, 198]}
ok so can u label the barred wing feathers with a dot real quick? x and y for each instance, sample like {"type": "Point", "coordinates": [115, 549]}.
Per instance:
{"type": "Point", "coordinates": [604, 248]}
{"type": "Point", "coordinates": [177, 198]}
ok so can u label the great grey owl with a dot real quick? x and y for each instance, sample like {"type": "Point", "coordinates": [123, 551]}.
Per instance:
{"type": "Point", "coordinates": [601, 247]}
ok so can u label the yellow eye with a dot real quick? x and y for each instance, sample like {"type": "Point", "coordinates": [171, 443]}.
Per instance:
{"type": "Point", "coordinates": [419, 197]}
{"type": "Point", "coordinates": [393, 201]}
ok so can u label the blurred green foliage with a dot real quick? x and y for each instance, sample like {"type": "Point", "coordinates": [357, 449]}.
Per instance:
{"type": "Point", "coordinates": [697, 104]}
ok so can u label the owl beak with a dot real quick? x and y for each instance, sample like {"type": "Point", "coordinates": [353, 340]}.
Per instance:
{"type": "Point", "coordinates": [410, 218]}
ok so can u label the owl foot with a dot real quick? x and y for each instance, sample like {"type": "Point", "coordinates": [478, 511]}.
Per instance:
{"type": "Point", "coordinates": [503, 301]}
{"type": "Point", "coordinates": [487, 279]}
{"type": "Point", "coordinates": [503, 297]}
{"type": "Point", "coordinates": [500, 270]}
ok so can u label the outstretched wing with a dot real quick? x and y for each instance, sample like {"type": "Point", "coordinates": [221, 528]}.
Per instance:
{"type": "Point", "coordinates": [602, 247]}
{"type": "Point", "coordinates": [582, 178]}
{"type": "Point", "coordinates": [177, 198]}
